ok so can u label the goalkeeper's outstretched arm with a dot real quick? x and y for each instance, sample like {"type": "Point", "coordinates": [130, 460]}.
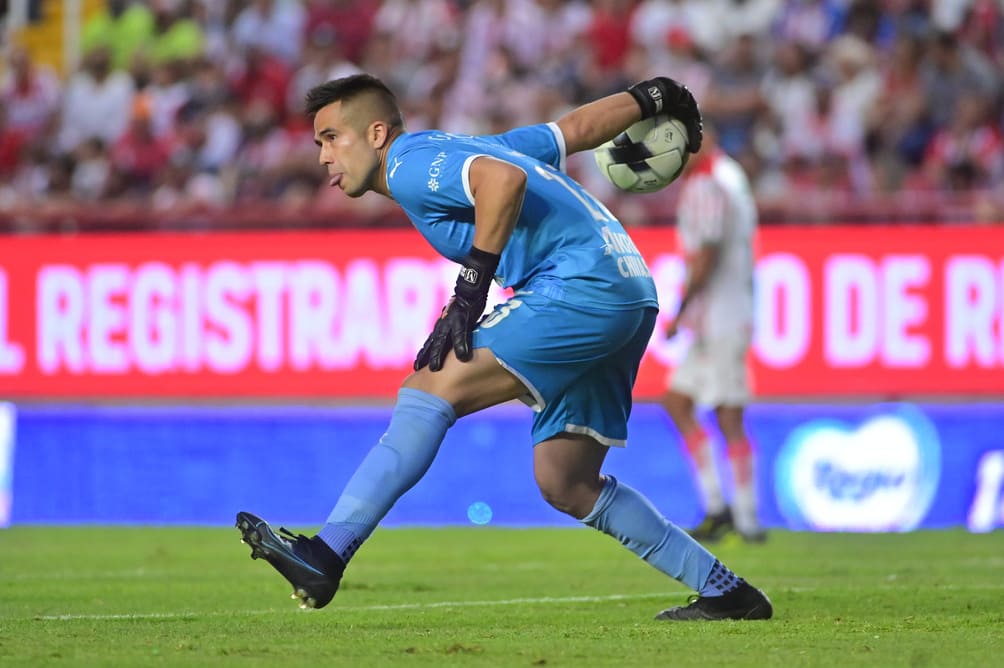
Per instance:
{"type": "Point", "coordinates": [590, 125]}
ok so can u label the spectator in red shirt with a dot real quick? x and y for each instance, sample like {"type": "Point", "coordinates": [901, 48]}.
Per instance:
{"type": "Point", "coordinates": [139, 155]}
{"type": "Point", "coordinates": [11, 142]}
{"type": "Point", "coordinates": [969, 153]}
{"type": "Point", "coordinates": [30, 94]}
{"type": "Point", "coordinates": [610, 34]}
{"type": "Point", "coordinates": [347, 22]}
{"type": "Point", "coordinates": [264, 79]}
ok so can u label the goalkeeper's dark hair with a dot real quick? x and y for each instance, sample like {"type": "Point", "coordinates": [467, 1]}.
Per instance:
{"type": "Point", "coordinates": [354, 87]}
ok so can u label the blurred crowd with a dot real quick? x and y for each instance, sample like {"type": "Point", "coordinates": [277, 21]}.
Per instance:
{"type": "Point", "coordinates": [184, 109]}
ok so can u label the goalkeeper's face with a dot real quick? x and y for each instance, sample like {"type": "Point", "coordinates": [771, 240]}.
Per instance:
{"type": "Point", "coordinates": [349, 150]}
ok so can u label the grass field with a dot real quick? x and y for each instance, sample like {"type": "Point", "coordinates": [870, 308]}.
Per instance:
{"type": "Point", "coordinates": [85, 596]}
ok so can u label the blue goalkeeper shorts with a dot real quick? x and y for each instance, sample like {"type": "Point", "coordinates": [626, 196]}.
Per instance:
{"type": "Point", "coordinates": [579, 364]}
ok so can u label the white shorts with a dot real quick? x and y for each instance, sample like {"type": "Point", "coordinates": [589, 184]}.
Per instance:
{"type": "Point", "coordinates": [714, 372]}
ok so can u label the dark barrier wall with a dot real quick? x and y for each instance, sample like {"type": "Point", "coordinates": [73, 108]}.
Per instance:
{"type": "Point", "coordinates": [887, 467]}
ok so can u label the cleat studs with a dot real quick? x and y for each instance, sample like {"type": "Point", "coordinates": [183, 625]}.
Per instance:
{"type": "Point", "coordinates": [310, 602]}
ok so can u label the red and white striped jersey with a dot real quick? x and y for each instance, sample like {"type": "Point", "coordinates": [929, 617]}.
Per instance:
{"type": "Point", "coordinates": [716, 207]}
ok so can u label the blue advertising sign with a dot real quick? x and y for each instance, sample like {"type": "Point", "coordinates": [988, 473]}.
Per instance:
{"type": "Point", "coordinates": [882, 467]}
{"type": "Point", "coordinates": [7, 424]}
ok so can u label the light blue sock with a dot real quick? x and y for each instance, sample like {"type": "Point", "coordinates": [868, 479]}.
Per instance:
{"type": "Point", "coordinates": [398, 461]}
{"type": "Point", "coordinates": [625, 514]}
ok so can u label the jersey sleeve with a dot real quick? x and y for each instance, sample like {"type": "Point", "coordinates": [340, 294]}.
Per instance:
{"type": "Point", "coordinates": [545, 142]}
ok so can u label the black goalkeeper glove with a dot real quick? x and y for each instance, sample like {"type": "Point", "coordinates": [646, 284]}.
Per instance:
{"type": "Point", "coordinates": [662, 95]}
{"type": "Point", "coordinates": [461, 314]}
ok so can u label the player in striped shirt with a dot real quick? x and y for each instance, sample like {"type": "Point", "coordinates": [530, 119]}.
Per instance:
{"type": "Point", "coordinates": [716, 222]}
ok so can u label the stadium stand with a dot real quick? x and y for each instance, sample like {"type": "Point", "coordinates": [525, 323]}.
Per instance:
{"type": "Point", "coordinates": [185, 114]}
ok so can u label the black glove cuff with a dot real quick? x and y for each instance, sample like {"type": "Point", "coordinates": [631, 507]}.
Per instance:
{"type": "Point", "coordinates": [477, 272]}
{"type": "Point", "coordinates": [650, 96]}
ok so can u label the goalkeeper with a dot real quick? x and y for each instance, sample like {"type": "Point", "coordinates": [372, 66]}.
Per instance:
{"type": "Point", "coordinates": [568, 342]}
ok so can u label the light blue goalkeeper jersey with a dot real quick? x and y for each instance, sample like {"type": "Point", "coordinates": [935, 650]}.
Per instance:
{"type": "Point", "coordinates": [566, 245]}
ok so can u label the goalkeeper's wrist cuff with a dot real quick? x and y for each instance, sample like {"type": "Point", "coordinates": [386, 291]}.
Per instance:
{"type": "Point", "coordinates": [477, 271]}
{"type": "Point", "coordinates": [650, 96]}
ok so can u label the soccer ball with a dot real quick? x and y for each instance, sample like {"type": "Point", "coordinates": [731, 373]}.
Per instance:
{"type": "Point", "coordinates": [647, 156]}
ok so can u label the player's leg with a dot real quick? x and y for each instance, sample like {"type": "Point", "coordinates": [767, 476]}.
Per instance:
{"type": "Point", "coordinates": [424, 411]}
{"type": "Point", "coordinates": [728, 390]}
{"type": "Point", "coordinates": [686, 383]}
{"type": "Point", "coordinates": [740, 455]}
{"type": "Point", "coordinates": [573, 434]}
{"type": "Point", "coordinates": [567, 470]}
{"type": "Point", "coordinates": [428, 404]}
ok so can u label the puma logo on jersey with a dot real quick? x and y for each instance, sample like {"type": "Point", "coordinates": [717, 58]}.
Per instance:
{"type": "Point", "coordinates": [393, 168]}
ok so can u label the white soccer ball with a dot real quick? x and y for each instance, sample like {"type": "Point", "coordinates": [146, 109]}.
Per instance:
{"type": "Point", "coordinates": [647, 156]}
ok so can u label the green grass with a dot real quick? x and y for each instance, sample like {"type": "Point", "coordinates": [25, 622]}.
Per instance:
{"type": "Point", "coordinates": [86, 596]}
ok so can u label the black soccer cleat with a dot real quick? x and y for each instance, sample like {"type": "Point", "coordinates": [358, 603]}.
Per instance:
{"type": "Point", "coordinates": [714, 527]}
{"type": "Point", "coordinates": [308, 564]}
{"type": "Point", "coordinates": [743, 602]}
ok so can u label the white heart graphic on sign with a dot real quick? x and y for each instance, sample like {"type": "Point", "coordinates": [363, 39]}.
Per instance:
{"type": "Point", "coordinates": [879, 477]}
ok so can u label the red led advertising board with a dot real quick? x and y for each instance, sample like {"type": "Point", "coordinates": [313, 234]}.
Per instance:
{"type": "Point", "coordinates": [841, 312]}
